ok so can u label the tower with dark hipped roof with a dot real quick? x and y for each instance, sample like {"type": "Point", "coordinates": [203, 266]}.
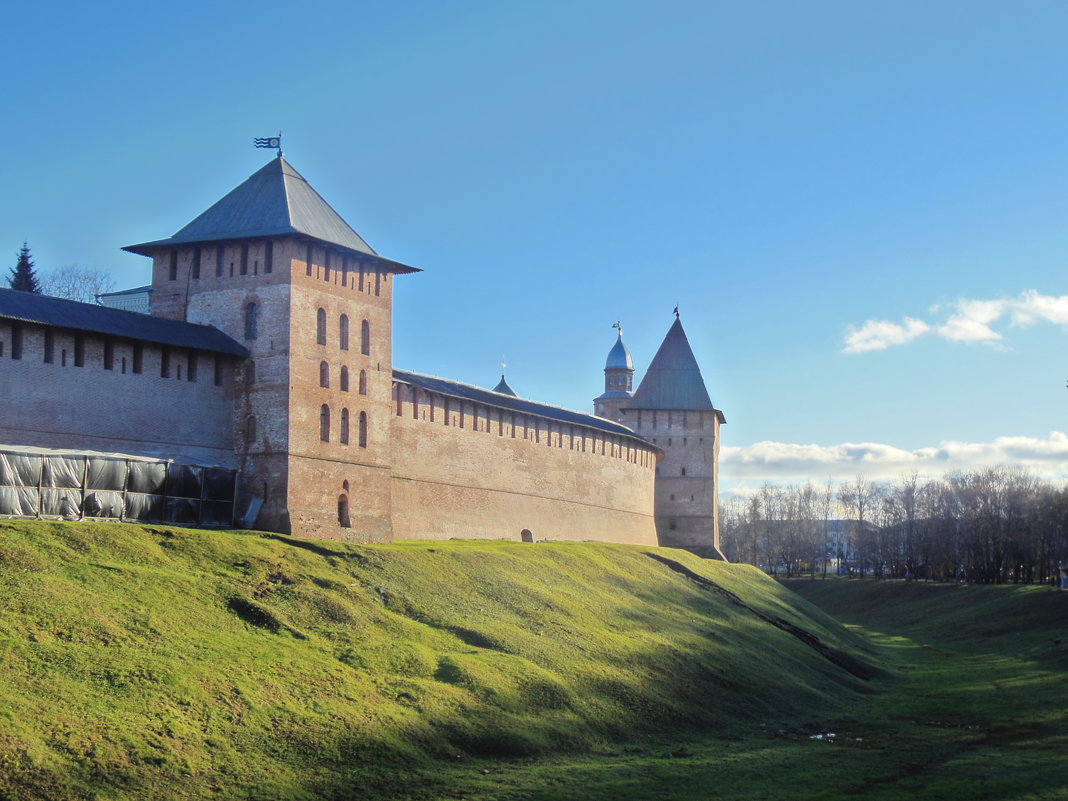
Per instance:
{"type": "Point", "coordinates": [672, 409]}
{"type": "Point", "coordinates": [275, 267]}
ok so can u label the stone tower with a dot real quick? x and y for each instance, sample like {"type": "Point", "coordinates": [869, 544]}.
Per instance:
{"type": "Point", "coordinates": [618, 381]}
{"type": "Point", "coordinates": [275, 267]}
{"type": "Point", "coordinates": [672, 409]}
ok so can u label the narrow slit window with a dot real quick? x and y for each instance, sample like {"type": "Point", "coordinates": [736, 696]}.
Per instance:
{"type": "Point", "coordinates": [138, 357]}
{"type": "Point", "coordinates": [365, 338]}
{"type": "Point", "coordinates": [320, 327]}
{"type": "Point", "coordinates": [195, 267]}
{"type": "Point", "coordinates": [363, 429]}
{"type": "Point", "coordinates": [49, 346]}
{"type": "Point", "coordinates": [252, 321]}
{"type": "Point", "coordinates": [172, 272]}
{"type": "Point", "coordinates": [324, 423]}
{"type": "Point", "coordinates": [164, 362]}
{"type": "Point", "coordinates": [191, 370]}
{"type": "Point", "coordinates": [109, 355]}
{"type": "Point", "coordinates": [79, 350]}
{"type": "Point", "coordinates": [344, 379]}
{"type": "Point", "coordinates": [343, 434]}
{"type": "Point", "coordinates": [343, 332]}
{"type": "Point", "coordinates": [363, 382]}
{"type": "Point", "coordinates": [220, 259]}
{"type": "Point", "coordinates": [268, 256]}
{"type": "Point", "coordinates": [324, 375]}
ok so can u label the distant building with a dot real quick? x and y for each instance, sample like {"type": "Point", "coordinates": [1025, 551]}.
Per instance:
{"type": "Point", "coordinates": [138, 299]}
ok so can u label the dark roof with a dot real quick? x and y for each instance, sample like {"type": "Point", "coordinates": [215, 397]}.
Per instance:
{"type": "Point", "coordinates": [490, 398]}
{"type": "Point", "coordinates": [276, 200]}
{"type": "Point", "coordinates": [503, 388]}
{"type": "Point", "coordinates": [45, 310]}
{"type": "Point", "coordinates": [673, 380]}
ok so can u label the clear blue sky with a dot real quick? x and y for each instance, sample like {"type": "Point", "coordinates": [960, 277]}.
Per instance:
{"type": "Point", "coordinates": [859, 207]}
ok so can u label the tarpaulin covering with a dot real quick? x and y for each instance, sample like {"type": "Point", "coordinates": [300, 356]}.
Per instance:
{"type": "Point", "coordinates": [36, 482]}
{"type": "Point", "coordinates": [63, 471]}
{"type": "Point", "coordinates": [106, 474]}
{"type": "Point", "coordinates": [19, 470]}
{"type": "Point", "coordinates": [65, 503]}
{"type": "Point", "coordinates": [19, 501]}
{"type": "Point", "coordinates": [147, 477]}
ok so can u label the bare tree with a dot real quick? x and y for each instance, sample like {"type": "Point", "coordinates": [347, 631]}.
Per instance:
{"type": "Point", "coordinates": [76, 283]}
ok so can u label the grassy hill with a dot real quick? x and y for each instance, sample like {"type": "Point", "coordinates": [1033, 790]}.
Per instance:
{"type": "Point", "coordinates": [159, 662]}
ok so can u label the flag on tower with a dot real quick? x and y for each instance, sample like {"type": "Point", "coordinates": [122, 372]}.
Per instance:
{"type": "Point", "coordinates": [268, 141]}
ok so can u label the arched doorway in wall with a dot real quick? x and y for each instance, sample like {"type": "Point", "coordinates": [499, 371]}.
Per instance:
{"type": "Point", "coordinates": [526, 536]}
{"type": "Point", "coordinates": [343, 511]}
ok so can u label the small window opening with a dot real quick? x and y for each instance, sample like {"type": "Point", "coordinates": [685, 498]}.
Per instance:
{"type": "Point", "coordinates": [320, 327]}
{"type": "Point", "coordinates": [324, 375]}
{"type": "Point", "coordinates": [324, 423]}
{"type": "Point", "coordinates": [344, 379]}
{"type": "Point", "coordinates": [172, 273]}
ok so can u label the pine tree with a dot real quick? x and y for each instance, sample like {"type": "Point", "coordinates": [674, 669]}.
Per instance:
{"type": "Point", "coordinates": [23, 277]}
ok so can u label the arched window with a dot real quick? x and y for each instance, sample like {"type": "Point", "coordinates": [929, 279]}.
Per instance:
{"type": "Point", "coordinates": [363, 429]}
{"type": "Point", "coordinates": [320, 327]}
{"type": "Point", "coordinates": [343, 437]}
{"type": "Point", "coordinates": [363, 382]}
{"type": "Point", "coordinates": [324, 375]}
{"type": "Point", "coordinates": [250, 429]}
{"type": "Point", "coordinates": [324, 423]}
{"type": "Point", "coordinates": [343, 511]}
{"type": "Point", "coordinates": [365, 338]}
{"type": "Point", "coordinates": [344, 379]}
{"type": "Point", "coordinates": [252, 321]}
{"type": "Point", "coordinates": [344, 332]}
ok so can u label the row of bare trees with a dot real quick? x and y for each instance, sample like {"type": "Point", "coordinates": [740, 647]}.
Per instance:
{"type": "Point", "coordinates": [990, 526]}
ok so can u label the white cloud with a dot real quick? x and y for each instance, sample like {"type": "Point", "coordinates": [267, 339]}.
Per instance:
{"type": "Point", "coordinates": [745, 468]}
{"type": "Point", "coordinates": [969, 320]}
{"type": "Point", "coordinates": [880, 334]}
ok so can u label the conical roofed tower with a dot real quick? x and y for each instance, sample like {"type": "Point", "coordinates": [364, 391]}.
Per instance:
{"type": "Point", "coordinates": [672, 408]}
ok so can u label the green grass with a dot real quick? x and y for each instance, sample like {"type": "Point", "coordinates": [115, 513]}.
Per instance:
{"type": "Point", "coordinates": [156, 662]}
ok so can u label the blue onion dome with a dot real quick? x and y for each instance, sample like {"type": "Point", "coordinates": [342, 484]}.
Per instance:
{"type": "Point", "coordinates": [619, 357]}
{"type": "Point", "coordinates": [503, 388]}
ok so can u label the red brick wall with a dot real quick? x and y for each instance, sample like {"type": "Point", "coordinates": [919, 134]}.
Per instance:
{"type": "Point", "coordinates": [473, 478]}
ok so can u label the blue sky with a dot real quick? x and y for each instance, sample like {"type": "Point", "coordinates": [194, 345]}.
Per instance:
{"type": "Point", "coordinates": [859, 207]}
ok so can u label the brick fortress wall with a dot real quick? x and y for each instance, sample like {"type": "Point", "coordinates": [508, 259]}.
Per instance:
{"type": "Point", "coordinates": [469, 470]}
{"type": "Point", "coordinates": [129, 407]}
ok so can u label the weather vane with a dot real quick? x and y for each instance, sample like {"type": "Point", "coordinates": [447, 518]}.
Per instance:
{"type": "Point", "coordinates": [676, 311]}
{"type": "Point", "coordinates": [270, 141]}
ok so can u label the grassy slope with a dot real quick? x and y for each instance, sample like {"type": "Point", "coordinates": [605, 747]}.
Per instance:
{"type": "Point", "coordinates": [980, 704]}
{"type": "Point", "coordinates": [155, 662]}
